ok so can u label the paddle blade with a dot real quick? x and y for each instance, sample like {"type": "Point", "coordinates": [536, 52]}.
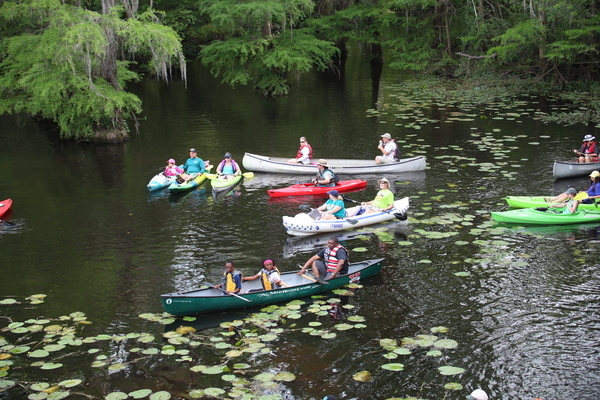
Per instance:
{"type": "Point", "coordinates": [248, 175]}
{"type": "Point", "coordinates": [352, 221]}
{"type": "Point", "coordinates": [400, 216]}
{"type": "Point", "coordinates": [581, 196]}
{"type": "Point", "coordinates": [211, 176]}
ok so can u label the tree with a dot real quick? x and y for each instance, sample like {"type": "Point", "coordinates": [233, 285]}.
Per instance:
{"type": "Point", "coordinates": [265, 43]}
{"type": "Point", "coordinates": [66, 64]}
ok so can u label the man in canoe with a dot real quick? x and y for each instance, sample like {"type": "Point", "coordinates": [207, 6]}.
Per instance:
{"type": "Point", "coordinates": [330, 262]}
{"type": "Point", "coordinates": [325, 176]}
{"type": "Point", "coordinates": [588, 151]}
{"type": "Point", "coordinates": [304, 154]}
{"type": "Point", "coordinates": [388, 148]}
{"type": "Point", "coordinates": [384, 200]}
{"type": "Point", "coordinates": [231, 282]}
{"type": "Point", "coordinates": [269, 276]}
{"type": "Point", "coordinates": [193, 166]}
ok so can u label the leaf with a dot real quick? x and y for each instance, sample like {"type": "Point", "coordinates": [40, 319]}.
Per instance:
{"type": "Point", "coordinates": [449, 370]}
{"type": "Point", "coordinates": [51, 366]}
{"type": "Point", "coordinates": [162, 395]}
{"type": "Point", "coordinates": [393, 367]}
{"type": "Point", "coordinates": [362, 376]}
{"type": "Point", "coordinates": [116, 396]}
{"type": "Point", "coordinates": [70, 383]}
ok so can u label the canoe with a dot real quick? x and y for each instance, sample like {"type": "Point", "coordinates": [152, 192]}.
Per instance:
{"type": "Point", "coordinates": [205, 300]}
{"type": "Point", "coordinates": [5, 206]}
{"type": "Point", "coordinates": [256, 163]}
{"type": "Point", "coordinates": [530, 216]}
{"type": "Point", "coordinates": [307, 189]}
{"type": "Point", "coordinates": [567, 169]}
{"type": "Point", "coordinates": [194, 183]}
{"type": "Point", "coordinates": [221, 184]}
{"type": "Point", "coordinates": [160, 181]}
{"type": "Point", "coordinates": [303, 225]}
{"type": "Point", "coordinates": [539, 201]}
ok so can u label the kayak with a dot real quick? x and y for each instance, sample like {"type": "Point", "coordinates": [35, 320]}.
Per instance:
{"type": "Point", "coordinates": [5, 206]}
{"type": "Point", "coordinates": [306, 189]}
{"type": "Point", "coordinates": [531, 216]}
{"type": "Point", "coordinates": [280, 165]}
{"type": "Point", "coordinates": [207, 299]}
{"type": "Point", "coordinates": [539, 201]}
{"type": "Point", "coordinates": [567, 169]}
{"type": "Point", "coordinates": [194, 183]}
{"type": "Point", "coordinates": [220, 184]}
{"type": "Point", "coordinates": [303, 225]}
{"type": "Point", "coordinates": [160, 181]}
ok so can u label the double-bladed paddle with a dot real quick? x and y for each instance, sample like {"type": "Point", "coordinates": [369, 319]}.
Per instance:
{"type": "Point", "coordinates": [6, 222]}
{"type": "Point", "coordinates": [399, 216]}
{"type": "Point", "coordinates": [212, 285]}
{"type": "Point", "coordinates": [245, 175]}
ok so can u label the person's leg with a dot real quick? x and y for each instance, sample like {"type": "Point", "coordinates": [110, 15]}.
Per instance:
{"type": "Point", "coordinates": [319, 269]}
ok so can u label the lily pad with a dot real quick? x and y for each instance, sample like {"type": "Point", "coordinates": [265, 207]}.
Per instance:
{"type": "Point", "coordinates": [449, 370]}
{"type": "Point", "coordinates": [362, 376]}
{"type": "Point", "coordinates": [162, 395]}
{"type": "Point", "coordinates": [393, 367]}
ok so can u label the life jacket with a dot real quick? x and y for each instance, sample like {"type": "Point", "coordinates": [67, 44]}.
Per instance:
{"type": "Point", "coordinates": [264, 279]}
{"type": "Point", "coordinates": [589, 148]}
{"type": "Point", "coordinates": [321, 176]}
{"type": "Point", "coordinates": [310, 152]}
{"type": "Point", "coordinates": [222, 165]}
{"type": "Point", "coordinates": [331, 260]}
{"type": "Point", "coordinates": [228, 282]}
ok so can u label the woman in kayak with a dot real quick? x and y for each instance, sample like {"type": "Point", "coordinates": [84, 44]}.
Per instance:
{"type": "Point", "coordinates": [333, 208]}
{"type": "Point", "coordinates": [570, 204]}
{"type": "Point", "coordinates": [384, 200]}
{"type": "Point", "coordinates": [228, 167]}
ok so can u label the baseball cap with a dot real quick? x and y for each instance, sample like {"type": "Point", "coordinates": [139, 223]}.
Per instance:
{"type": "Point", "coordinates": [386, 135]}
{"type": "Point", "coordinates": [571, 191]}
{"type": "Point", "coordinates": [595, 174]}
{"type": "Point", "coordinates": [172, 161]}
{"type": "Point", "coordinates": [192, 150]}
{"type": "Point", "coordinates": [334, 193]}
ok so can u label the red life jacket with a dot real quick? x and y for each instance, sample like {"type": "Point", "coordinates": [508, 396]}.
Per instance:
{"type": "Point", "coordinates": [331, 260]}
{"type": "Point", "coordinates": [310, 151]}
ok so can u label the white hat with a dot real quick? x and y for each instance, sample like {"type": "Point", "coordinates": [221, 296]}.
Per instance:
{"type": "Point", "coordinates": [595, 174]}
{"type": "Point", "coordinates": [588, 138]}
{"type": "Point", "coordinates": [477, 394]}
{"type": "Point", "coordinates": [386, 135]}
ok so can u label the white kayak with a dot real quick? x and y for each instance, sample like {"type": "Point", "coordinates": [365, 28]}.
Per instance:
{"type": "Point", "coordinates": [160, 181]}
{"type": "Point", "coordinates": [303, 225]}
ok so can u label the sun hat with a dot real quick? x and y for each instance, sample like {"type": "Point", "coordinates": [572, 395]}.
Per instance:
{"type": "Point", "coordinates": [386, 135]}
{"type": "Point", "coordinates": [334, 193]}
{"type": "Point", "coordinates": [595, 174]}
{"type": "Point", "coordinates": [192, 150]}
{"type": "Point", "coordinates": [571, 191]}
{"type": "Point", "coordinates": [384, 180]}
{"type": "Point", "coordinates": [227, 155]}
{"type": "Point", "coordinates": [477, 394]}
{"type": "Point", "coordinates": [323, 162]}
{"type": "Point", "coordinates": [172, 161]}
{"type": "Point", "coordinates": [588, 138]}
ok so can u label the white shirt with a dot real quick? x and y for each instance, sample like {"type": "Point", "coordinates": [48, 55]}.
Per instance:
{"type": "Point", "coordinates": [389, 147]}
{"type": "Point", "coordinates": [305, 159]}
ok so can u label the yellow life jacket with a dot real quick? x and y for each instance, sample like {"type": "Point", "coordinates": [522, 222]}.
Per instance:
{"type": "Point", "coordinates": [264, 279]}
{"type": "Point", "coordinates": [228, 282]}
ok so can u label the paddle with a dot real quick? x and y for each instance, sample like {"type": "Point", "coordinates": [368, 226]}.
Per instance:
{"type": "Point", "coordinates": [225, 291]}
{"type": "Point", "coordinates": [245, 175]}
{"type": "Point", "coordinates": [321, 281]}
{"type": "Point", "coordinates": [399, 216]}
{"type": "Point", "coordinates": [581, 196]}
{"type": "Point", "coordinates": [6, 222]}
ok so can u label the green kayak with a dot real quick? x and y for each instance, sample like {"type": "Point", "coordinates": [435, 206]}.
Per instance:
{"type": "Point", "coordinates": [194, 183]}
{"type": "Point", "coordinates": [552, 216]}
{"type": "Point", "coordinates": [539, 201]}
{"type": "Point", "coordinates": [221, 184]}
{"type": "Point", "coordinates": [207, 299]}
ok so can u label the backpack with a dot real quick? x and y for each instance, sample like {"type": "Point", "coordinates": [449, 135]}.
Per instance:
{"type": "Point", "coordinates": [396, 153]}
{"type": "Point", "coordinates": [336, 178]}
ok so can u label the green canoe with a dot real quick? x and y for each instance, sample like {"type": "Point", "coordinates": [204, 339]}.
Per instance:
{"type": "Point", "coordinates": [194, 183]}
{"type": "Point", "coordinates": [538, 201]}
{"type": "Point", "coordinates": [207, 299]}
{"type": "Point", "coordinates": [552, 216]}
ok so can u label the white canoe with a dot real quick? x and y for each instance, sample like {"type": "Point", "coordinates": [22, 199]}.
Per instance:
{"type": "Point", "coordinates": [303, 225]}
{"type": "Point", "coordinates": [567, 169]}
{"type": "Point", "coordinates": [160, 181]}
{"type": "Point", "coordinates": [280, 165]}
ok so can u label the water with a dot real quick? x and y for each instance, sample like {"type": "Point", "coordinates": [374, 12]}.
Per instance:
{"type": "Point", "coordinates": [89, 235]}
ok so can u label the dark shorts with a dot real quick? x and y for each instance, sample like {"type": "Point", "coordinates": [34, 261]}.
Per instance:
{"type": "Point", "coordinates": [322, 268]}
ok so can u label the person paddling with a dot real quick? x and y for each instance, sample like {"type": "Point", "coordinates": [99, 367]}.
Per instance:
{"type": "Point", "coordinates": [231, 282]}
{"type": "Point", "coordinates": [384, 200]}
{"type": "Point", "coordinates": [193, 166]}
{"type": "Point", "coordinates": [331, 262]}
{"type": "Point", "coordinates": [269, 276]}
{"type": "Point", "coordinates": [325, 177]}
{"type": "Point", "coordinates": [228, 167]}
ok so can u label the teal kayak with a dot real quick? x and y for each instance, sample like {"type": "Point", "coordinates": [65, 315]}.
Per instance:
{"type": "Point", "coordinates": [539, 201]}
{"type": "Point", "coordinates": [224, 183]}
{"type": "Point", "coordinates": [194, 183]}
{"type": "Point", "coordinates": [552, 216]}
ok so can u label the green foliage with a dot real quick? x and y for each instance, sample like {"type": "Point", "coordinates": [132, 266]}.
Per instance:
{"type": "Point", "coordinates": [520, 43]}
{"type": "Point", "coordinates": [264, 43]}
{"type": "Point", "coordinates": [56, 71]}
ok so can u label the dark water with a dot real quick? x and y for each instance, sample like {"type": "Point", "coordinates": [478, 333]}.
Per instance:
{"type": "Point", "coordinates": [526, 317]}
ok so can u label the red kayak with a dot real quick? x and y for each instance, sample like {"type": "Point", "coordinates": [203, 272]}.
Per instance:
{"type": "Point", "coordinates": [5, 206]}
{"type": "Point", "coordinates": [307, 189]}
